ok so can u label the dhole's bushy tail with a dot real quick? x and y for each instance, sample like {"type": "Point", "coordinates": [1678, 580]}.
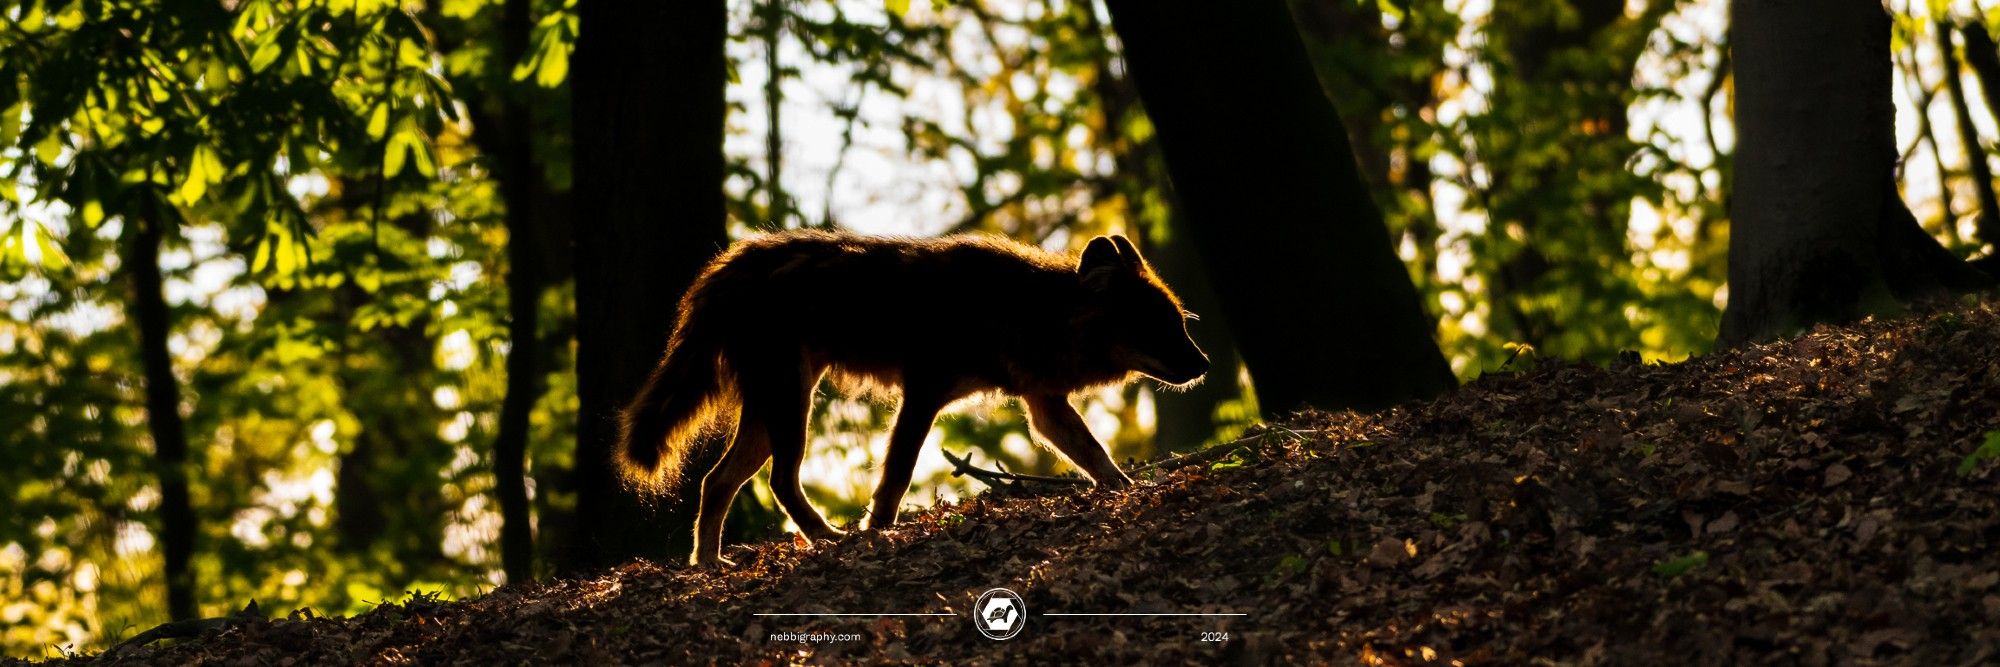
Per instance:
{"type": "Point", "coordinates": [692, 386]}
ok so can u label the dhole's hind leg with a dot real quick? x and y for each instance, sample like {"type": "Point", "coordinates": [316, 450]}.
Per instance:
{"type": "Point", "coordinates": [783, 397]}
{"type": "Point", "coordinates": [747, 452]}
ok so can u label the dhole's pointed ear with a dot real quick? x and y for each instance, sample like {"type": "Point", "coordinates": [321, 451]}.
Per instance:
{"type": "Point", "coordinates": [1100, 263]}
{"type": "Point", "coordinates": [1129, 252]}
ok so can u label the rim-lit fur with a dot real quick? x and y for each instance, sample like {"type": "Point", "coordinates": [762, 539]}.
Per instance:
{"type": "Point", "coordinates": [938, 319]}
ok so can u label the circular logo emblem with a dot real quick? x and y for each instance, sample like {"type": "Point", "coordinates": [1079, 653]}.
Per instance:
{"type": "Point", "coordinates": [999, 614]}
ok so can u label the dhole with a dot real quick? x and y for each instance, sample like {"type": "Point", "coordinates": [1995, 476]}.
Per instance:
{"type": "Point", "coordinates": [939, 318]}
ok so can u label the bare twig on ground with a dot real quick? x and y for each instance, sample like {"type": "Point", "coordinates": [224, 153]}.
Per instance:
{"type": "Point", "coordinates": [960, 466]}
{"type": "Point", "coordinates": [998, 478]}
{"type": "Point", "coordinates": [187, 628]}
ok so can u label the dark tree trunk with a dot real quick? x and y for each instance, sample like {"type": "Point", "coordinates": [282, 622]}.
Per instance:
{"type": "Point", "coordinates": [359, 517]}
{"type": "Point", "coordinates": [1184, 420]}
{"type": "Point", "coordinates": [1324, 313]}
{"type": "Point", "coordinates": [518, 180]}
{"type": "Point", "coordinates": [503, 128]}
{"type": "Point", "coordinates": [1819, 231]}
{"type": "Point", "coordinates": [647, 90]}
{"type": "Point", "coordinates": [386, 490]}
{"type": "Point", "coordinates": [163, 400]}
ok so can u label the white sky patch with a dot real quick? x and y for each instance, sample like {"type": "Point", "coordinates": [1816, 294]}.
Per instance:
{"type": "Point", "coordinates": [446, 397]}
{"type": "Point", "coordinates": [321, 436]}
{"type": "Point", "coordinates": [456, 351]}
{"type": "Point", "coordinates": [465, 274]}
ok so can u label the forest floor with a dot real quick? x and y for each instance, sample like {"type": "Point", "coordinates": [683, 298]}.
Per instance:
{"type": "Point", "coordinates": [1827, 499]}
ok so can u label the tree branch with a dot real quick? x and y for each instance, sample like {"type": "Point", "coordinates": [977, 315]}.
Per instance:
{"type": "Point", "coordinates": [963, 467]}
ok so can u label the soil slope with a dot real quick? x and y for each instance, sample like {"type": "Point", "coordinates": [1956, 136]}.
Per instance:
{"type": "Point", "coordinates": [1809, 501]}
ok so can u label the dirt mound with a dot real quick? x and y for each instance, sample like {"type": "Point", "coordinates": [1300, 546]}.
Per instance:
{"type": "Point", "coordinates": [1808, 501]}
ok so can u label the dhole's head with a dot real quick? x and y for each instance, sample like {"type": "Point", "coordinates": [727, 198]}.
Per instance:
{"type": "Point", "coordinates": [1146, 327]}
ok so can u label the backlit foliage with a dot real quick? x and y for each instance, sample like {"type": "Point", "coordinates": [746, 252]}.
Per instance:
{"type": "Point", "coordinates": [1555, 175]}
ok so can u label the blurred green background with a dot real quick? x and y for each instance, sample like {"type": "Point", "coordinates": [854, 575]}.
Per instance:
{"type": "Point", "coordinates": [334, 244]}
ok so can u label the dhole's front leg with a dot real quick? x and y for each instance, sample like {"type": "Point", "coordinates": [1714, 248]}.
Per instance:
{"type": "Point", "coordinates": [1053, 418]}
{"type": "Point", "coordinates": [921, 403]}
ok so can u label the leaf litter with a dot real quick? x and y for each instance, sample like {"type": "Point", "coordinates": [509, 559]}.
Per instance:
{"type": "Point", "coordinates": [1829, 499]}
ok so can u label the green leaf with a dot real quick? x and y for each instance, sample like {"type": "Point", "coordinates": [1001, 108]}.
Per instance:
{"type": "Point", "coordinates": [549, 63]}
{"type": "Point", "coordinates": [461, 9]}
{"type": "Point", "coordinates": [203, 167]}
{"type": "Point", "coordinates": [93, 213]}
{"type": "Point", "coordinates": [528, 66]}
{"type": "Point", "coordinates": [51, 254]}
{"type": "Point", "coordinates": [413, 55]}
{"type": "Point", "coordinates": [378, 121]}
{"type": "Point", "coordinates": [1674, 567]}
{"type": "Point", "coordinates": [263, 259]}
{"type": "Point", "coordinates": [555, 64]}
{"type": "Point", "coordinates": [897, 7]}
{"type": "Point", "coordinates": [1232, 462]}
{"type": "Point", "coordinates": [408, 143]}
{"type": "Point", "coordinates": [12, 255]}
{"type": "Point", "coordinates": [1391, 8]}
{"type": "Point", "coordinates": [1988, 451]}
{"type": "Point", "coordinates": [394, 154]}
{"type": "Point", "coordinates": [211, 162]}
{"type": "Point", "coordinates": [10, 119]}
{"type": "Point", "coordinates": [265, 54]}
{"type": "Point", "coordinates": [284, 251]}
{"type": "Point", "coordinates": [192, 187]}
{"type": "Point", "coordinates": [49, 149]}
{"type": "Point", "coordinates": [421, 151]}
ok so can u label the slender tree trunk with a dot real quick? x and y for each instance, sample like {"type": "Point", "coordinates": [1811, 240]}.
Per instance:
{"type": "Point", "coordinates": [1984, 57]}
{"type": "Point", "coordinates": [1324, 312]}
{"type": "Point", "coordinates": [518, 178]}
{"type": "Point", "coordinates": [773, 34]}
{"type": "Point", "coordinates": [647, 89]}
{"type": "Point", "coordinates": [163, 399]}
{"type": "Point", "coordinates": [503, 128]}
{"type": "Point", "coordinates": [1921, 96]}
{"type": "Point", "coordinates": [1820, 233]}
{"type": "Point", "coordinates": [1968, 133]}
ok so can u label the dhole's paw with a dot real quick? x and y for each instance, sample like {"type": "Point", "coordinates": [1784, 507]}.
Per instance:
{"type": "Point", "coordinates": [716, 561]}
{"type": "Point", "coordinates": [712, 563]}
{"type": "Point", "coordinates": [1119, 483]}
{"type": "Point", "coordinates": [825, 533]}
